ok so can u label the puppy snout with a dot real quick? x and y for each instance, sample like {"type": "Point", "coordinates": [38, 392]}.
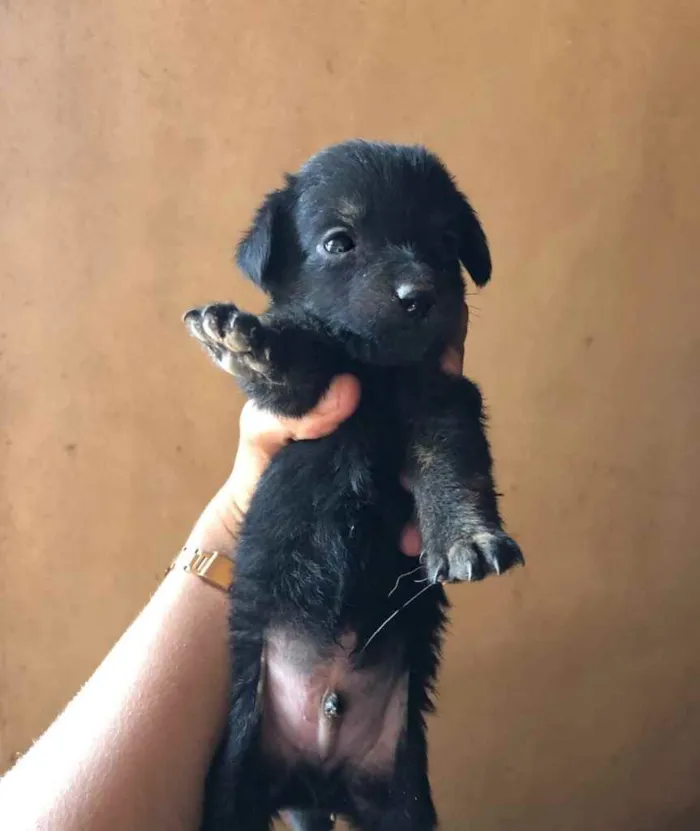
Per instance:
{"type": "Point", "coordinates": [417, 299]}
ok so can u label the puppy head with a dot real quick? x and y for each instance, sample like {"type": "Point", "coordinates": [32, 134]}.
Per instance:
{"type": "Point", "coordinates": [368, 239]}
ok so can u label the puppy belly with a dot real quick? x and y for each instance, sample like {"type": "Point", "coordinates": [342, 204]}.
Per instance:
{"type": "Point", "coordinates": [321, 710]}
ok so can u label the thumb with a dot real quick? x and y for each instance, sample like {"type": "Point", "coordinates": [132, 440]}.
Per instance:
{"type": "Point", "coordinates": [339, 403]}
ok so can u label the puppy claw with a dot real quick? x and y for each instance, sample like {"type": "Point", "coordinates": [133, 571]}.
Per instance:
{"type": "Point", "coordinates": [211, 324]}
{"type": "Point", "coordinates": [484, 553]}
{"type": "Point", "coordinates": [193, 321]}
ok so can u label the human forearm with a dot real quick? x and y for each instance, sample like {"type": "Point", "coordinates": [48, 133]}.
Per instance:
{"type": "Point", "coordinates": [132, 748]}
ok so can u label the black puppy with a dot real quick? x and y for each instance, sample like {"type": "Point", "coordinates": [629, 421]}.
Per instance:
{"type": "Point", "coordinates": [335, 634]}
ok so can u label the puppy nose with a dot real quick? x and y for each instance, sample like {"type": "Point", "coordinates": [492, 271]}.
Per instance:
{"type": "Point", "coordinates": [417, 300]}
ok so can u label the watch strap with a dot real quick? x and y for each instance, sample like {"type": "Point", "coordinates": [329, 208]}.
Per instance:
{"type": "Point", "coordinates": [213, 567]}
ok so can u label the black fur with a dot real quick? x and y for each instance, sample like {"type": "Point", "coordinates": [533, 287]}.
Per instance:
{"type": "Point", "coordinates": [318, 553]}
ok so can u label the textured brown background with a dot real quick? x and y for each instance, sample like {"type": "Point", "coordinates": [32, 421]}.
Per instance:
{"type": "Point", "coordinates": [135, 139]}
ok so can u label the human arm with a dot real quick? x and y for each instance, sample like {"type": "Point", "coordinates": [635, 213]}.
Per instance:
{"type": "Point", "coordinates": [132, 749]}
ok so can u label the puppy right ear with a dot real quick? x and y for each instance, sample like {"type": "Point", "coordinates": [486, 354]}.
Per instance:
{"type": "Point", "coordinates": [261, 252]}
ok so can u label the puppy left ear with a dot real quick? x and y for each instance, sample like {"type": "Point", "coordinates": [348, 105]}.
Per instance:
{"type": "Point", "coordinates": [473, 246]}
{"type": "Point", "coordinates": [262, 251]}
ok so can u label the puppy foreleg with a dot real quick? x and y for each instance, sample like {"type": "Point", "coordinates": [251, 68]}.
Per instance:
{"type": "Point", "coordinates": [449, 471]}
{"type": "Point", "coordinates": [283, 368]}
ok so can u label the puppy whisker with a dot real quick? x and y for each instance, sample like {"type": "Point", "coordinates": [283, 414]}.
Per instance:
{"type": "Point", "coordinates": [400, 578]}
{"type": "Point", "coordinates": [393, 615]}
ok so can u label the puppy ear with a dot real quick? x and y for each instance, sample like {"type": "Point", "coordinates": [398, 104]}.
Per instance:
{"type": "Point", "coordinates": [261, 251]}
{"type": "Point", "coordinates": [473, 246]}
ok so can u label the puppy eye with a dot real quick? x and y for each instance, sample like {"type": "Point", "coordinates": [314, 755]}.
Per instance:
{"type": "Point", "coordinates": [338, 243]}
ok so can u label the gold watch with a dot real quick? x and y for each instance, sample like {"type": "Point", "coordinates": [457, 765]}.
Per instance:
{"type": "Point", "coordinates": [212, 567]}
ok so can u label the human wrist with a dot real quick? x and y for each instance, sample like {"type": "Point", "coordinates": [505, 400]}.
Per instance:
{"type": "Point", "coordinates": [219, 524]}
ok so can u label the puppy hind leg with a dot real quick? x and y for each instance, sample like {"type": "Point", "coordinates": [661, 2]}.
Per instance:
{"type": "Point", "coordinates": [236, 789]}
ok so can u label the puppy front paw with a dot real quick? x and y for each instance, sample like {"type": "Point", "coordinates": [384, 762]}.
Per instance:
{"type": "Point", "coordinates": [473, 556]}
{"type": "Point", "coordinates": [486, 552]}
{"type": "Point", "coordinates": [237, 341]}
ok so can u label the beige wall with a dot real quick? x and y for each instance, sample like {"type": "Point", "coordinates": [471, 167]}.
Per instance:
{"type": "Point", "coordinates": [135, 139]}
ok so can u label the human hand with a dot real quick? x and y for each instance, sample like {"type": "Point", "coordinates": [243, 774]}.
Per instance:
{"type": "Point", "coordinates": [263, 435]}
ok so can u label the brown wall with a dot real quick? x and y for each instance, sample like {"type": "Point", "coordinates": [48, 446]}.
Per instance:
{"type": "Point", "coordinates": [135, 139]}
